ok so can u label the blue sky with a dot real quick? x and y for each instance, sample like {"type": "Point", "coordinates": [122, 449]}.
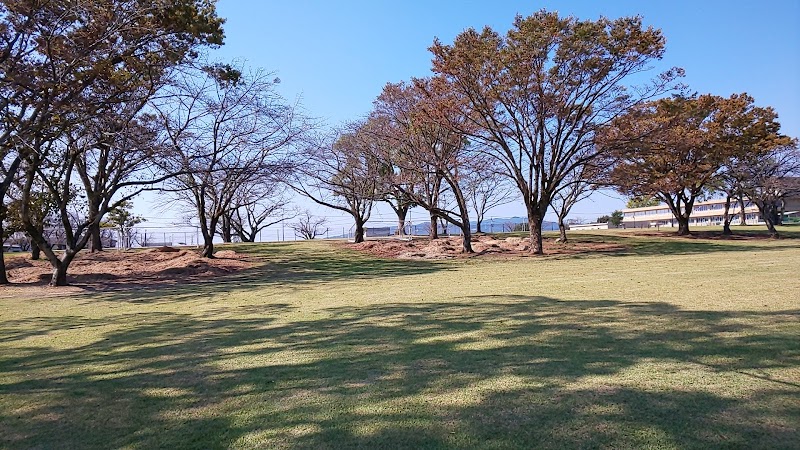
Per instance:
{"type": "Point", "coordinates": [336, 56]}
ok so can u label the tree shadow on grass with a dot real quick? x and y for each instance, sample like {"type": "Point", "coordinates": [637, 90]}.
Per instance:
{"type": "Point", "coordinates": [276, 265]}
{"type": "Point", "coordinates": [487, 371]}
{"type": "Point", "coordinates": [664, 244]}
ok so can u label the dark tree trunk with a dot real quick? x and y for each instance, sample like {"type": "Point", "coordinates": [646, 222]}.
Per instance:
{"type": "Point", "coordinates": [466, 241]}
{"type": "Point", "coordinates": [742, 213]}
{"type": "Point", "coordinates": [434, 232]}
{"type": "Point", "coordinates": [535, 226]}
{"type": "Point", "coordinates": [478, 224]}
{"type": "Point", "coordinates": [683, 226]}
{"type": "Point", "coordinates": [97, 242]}
{"type": "Point", "coordinates": [227, 235]}
{"type": "Point", "coordinates": [770, 215]}
{"type": "Point", "coordinates": [359, 232]}
{"type": "Point", "coordinates": [36, 252]}
{"type": "Point", "coordinates": [771, 226]}
{"type": "Point", "coordinates": [3, 275]}
{"type": "Point", "coordinates": [562, 231]}
{"type": "Point", "coordinates": [12, 168]}
{"type": "Point", "coordinates": [726, 217]}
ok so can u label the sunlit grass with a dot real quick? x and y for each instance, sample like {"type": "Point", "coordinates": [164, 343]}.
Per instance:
{"type": "Point", "coordinates": [668, 343]}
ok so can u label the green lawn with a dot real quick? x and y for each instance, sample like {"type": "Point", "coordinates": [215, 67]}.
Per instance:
{"type": "Point", "coordinates": [670, 343]}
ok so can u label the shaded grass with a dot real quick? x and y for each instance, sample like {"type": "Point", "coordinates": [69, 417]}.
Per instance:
{"type": "Point", "coordinates": [326, 348]}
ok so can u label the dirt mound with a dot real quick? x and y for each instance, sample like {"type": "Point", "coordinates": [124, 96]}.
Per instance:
{"type": "Point", "coordinates": [450, 247]}
{"type": "Point", "coordinates": [164, 249]}
{"type": "Point", "coordinates": [130, 268]}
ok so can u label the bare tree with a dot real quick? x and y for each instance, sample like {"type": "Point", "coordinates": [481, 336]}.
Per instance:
{"type": "Point", "coordinates": [486, 188]}
{"type": "Point", "coordinates": [576, 187]}
{"type": "Point", "coordinates": [260, 206]}
{"type": "Point", "coordinates": [308, 226]}
{"type": "Point", "coordinates": [397, 198]}
{"type": "Point", "coordinates": [339, 172]}
{"type": "Point", "coordinates": [226, 129]}
{"type": "Point", "coordinates": [772, 177]}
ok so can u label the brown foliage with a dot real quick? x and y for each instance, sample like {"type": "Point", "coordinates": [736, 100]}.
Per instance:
{"type": "Point", "coordinates": [536, 97]}
{"type": "Point", "coordinates": [675, 149]}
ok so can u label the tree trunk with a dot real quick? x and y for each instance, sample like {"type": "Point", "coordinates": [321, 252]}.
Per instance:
{"type": "Point", "coordinates": [683, 226]}
{"type": "Point", "coordinates": [466, 239]}
{"type": "Point", "coordinates": [97, 242]}
{"type": "Point", "coordinates": [478, 226]}
{"type": "Point", "coordinates": [562, 231]}
{"type": "Point", "coordinates": [535, 227]}
{"type": "Point", "coordinates": [402, 213]}
{"type": "Point", "coordinates": [208, 247]}
{"type": "Point", "coordinates": [742, 213]}
{"type": "Point", "coordinates": [434, 232]}
{"type": "Point", "coordinates": [770, 215]}
{"type": "Point", "coordinates": [4, 185]}
{"type": "Point", "coordinates": [36, 252]}
{"type": "Point", "coordinates": [3, 275]}
{"type": "Point", "coordinates": [769, 220]}
{"type": "Point", "coordinates": [60, 270]}
{"type": "Point", "coordinates": [226, 229]}
{"type": "Point", "coordinates": [726, 217]}
{"type": "Point", "coordinates": [359, 233]}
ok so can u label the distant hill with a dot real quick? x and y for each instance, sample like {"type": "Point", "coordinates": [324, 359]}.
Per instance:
{"type": "Point", "coordinates": [494, 225]}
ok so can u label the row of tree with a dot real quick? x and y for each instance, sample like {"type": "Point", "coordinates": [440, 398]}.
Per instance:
{"type": "Point", "coordinates": [556, 108]}
{"type": "Point", "coordinates": [105, 99]}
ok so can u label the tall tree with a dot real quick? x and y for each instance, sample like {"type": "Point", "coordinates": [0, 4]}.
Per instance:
{"type": "Point", "coordinates": [421, 119]}
{"type": "Point", "coordinates": [755, 148]}
{"type": "Point", "coordinates": [537, 96]}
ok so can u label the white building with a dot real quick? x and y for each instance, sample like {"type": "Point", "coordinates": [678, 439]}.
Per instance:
{"type": "Point", "coordinates": [703, 213]}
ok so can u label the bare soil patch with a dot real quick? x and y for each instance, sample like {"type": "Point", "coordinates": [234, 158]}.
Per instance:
{"type": "Point", "coordinates": [483, 245]}
{"type": "Point", "coordinates": [117, 269]}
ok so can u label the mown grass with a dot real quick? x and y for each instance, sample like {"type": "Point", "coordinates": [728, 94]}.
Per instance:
{"type": "Point", "coordinates": [668, 343]}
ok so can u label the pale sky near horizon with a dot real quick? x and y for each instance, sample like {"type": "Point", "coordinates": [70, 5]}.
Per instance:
{"type": "Point", "coordinates": [336, 56]}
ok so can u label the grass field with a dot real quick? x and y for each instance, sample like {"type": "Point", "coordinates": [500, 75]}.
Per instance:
{"type": "Point", "coordinates": [671, 343]}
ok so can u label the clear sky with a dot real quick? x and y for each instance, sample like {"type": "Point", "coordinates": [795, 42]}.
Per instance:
{"type": "Point", "coordinates": [336, 56]}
